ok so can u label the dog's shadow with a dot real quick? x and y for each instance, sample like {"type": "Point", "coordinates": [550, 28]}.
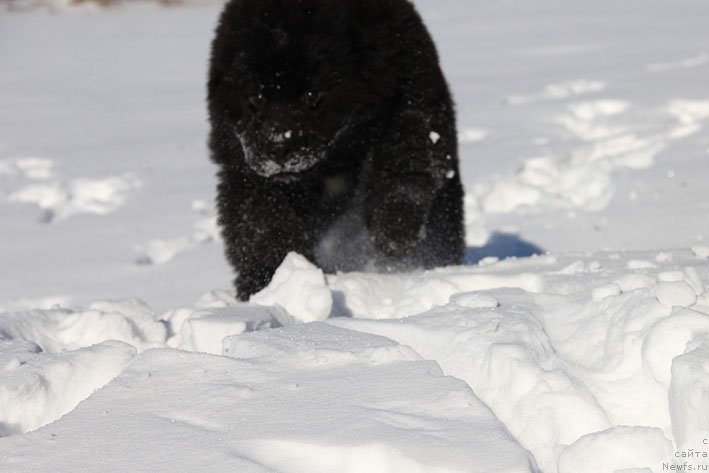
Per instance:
{"type": "Point", "coordinates": [502, 246]}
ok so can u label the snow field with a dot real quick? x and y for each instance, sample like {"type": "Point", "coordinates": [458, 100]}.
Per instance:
{"type": "Point", "coordinates": [582, 128]}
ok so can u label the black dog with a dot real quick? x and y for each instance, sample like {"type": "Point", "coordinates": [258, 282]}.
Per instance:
{"type": "Point", "coordinates": [334, 132]}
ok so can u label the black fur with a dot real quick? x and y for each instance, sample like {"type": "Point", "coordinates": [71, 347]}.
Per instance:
{"type": "Point", "coordinates": [331, 119]}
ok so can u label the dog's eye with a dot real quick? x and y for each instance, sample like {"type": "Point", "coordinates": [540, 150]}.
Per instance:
{"type": "Point", "coordinates": [256, 102]}
{"type": "Point", "coordinates": [312, 98]}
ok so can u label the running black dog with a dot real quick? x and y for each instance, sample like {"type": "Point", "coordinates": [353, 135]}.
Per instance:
{"type": "Point", "coordinates": [334, 132]}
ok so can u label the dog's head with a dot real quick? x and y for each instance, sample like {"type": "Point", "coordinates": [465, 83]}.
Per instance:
{"type": "Point", "coordinates": [288, 78]}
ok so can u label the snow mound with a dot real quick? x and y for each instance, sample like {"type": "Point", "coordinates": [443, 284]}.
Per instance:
{"type": "Point", "coordinates": [386, 296]}
{"type": "Point", "coordinates": [56, 330]}
{"type": "Point", "coordinates": [299, 287]}
{"type": "Point", "coordinates": [602, 346]}
{"type": "Point", "coordinates": [507, 360]}
{"type": "Point", "coordinates": [204, 330]}
{"type": "Point", "coordinates": [689, 396]}
{"type": "Point", "coordinates": [572, 353]}
{"type": "Point", "coordinates": [618, 449]}
{"type": "Point", "coordinates": [387, 414]}
{"type": "Point", "coordinates": [313, 345]}
{"type": "Point", "coordinates": [37, 388]}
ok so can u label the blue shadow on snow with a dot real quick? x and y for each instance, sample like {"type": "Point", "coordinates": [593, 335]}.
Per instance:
{"type": "Point", "coordinates": [502, 245]}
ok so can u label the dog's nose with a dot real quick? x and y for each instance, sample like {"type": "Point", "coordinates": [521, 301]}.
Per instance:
{"type": "Point", "coordinates": [281, 137]}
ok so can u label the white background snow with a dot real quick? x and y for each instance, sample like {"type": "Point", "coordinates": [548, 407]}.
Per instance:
{"type": "Point", "coordinates": [583, 137]}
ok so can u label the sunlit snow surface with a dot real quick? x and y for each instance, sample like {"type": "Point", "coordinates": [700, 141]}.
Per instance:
{"type": "Point", "coordinates": [583, 136]}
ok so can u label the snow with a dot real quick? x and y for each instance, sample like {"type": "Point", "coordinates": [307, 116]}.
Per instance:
{"type": "Point", "coordinates": [559, 91]}
{"type": "Point", "coordinates": [340, 401]}
{"type": "Point", "coordinates": [689, 391]}
{"type": "Point", "coordinates": [675, 293]}
{"type": "Point", "coordinates": [299, 287]}
{"type": "Point", "coordinates": [471, 135]}
{"type": "Point", "coordinates": [617, 449]}
{"type": "Point", "coordinates": [699, 60]}
{"type": "Point", "coordinates": [59, 201]}
{"type": "Point", "coordinates": [30, 168]}
{"type": "Point", "coordinates": [701, 251]}
{"type": "Point", "coordinates": [583, 141]}
{"type": "Point", "coordinates": [205, 330]}
{"type": "Point", "coordinates": [38, 388]}
{"type": "Point", "coordinates": [564, 362]}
